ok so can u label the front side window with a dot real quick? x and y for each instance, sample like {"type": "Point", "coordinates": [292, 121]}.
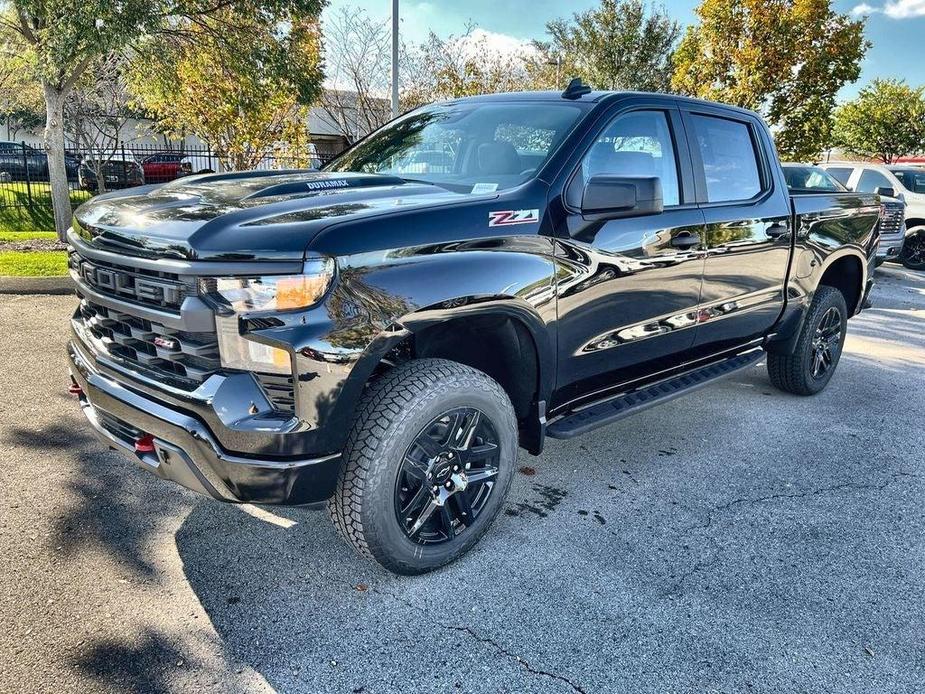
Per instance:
{"type": "Point", "coordinates": [730, 163]}
{"type": "Point", "coordinates": [636, 144]}
{"type": "Point", "coordinates": [871, 180]}
{"type": "Point", "coordinates": [465, 147]}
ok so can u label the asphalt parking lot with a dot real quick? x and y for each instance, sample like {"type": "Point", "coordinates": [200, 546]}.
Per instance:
{"type": "Point", "coordinates": [737, 540]}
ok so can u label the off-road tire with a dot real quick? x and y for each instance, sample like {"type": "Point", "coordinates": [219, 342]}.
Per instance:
{"type": "Point", "coordinates": [793, 372]}
{"type": "Point", "coordinates": [390, 415]}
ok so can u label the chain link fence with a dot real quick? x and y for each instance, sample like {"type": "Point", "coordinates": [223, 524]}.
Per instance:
{"type": "Point", "coordinates": [24, 179]}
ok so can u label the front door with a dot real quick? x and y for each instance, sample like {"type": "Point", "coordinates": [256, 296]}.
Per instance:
{"type": "Point", "coordinates": [629, 288]}
{"type": "Point", "coordinates": [747, 214]}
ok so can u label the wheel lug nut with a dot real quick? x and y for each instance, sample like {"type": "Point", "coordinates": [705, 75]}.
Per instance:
{"type": "Point", "coordinates": [449, 485]}
{"type": "Point", "coordinates": [468, 465]}
{"type": "Point", "coordinates": [436, 488]}
{"type": "Point", "coordinates": [450, 455]}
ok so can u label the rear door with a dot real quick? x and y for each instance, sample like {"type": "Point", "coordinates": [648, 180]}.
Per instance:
{"type": "Point", "coordinates": [629, 287]}
{"type": "Point", "coordinates": [747, 239]}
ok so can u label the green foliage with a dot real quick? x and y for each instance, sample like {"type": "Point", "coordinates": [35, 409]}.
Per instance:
{"type": "Point", "coordinates": [786, 59]}
{"type": "Point", "coordinates": [886, 121]}
{"type": "Point", "coordinates": [618, 45]}
{"type": "Point", "coordinates": [238, 84]}
{"type": "Point", "coordinates": [33, 263]}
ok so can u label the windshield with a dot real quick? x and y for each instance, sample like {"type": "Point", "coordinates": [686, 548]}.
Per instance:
{"type": "Point", "coordinates": [810, 178]}
{"type": "Point", "coordinates": [468, 147]}
{"type": "Point", "coordinates": [913, 180]}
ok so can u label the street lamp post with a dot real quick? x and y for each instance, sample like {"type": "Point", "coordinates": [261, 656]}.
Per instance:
{"type": "Point", "coordinates": [394, 58]}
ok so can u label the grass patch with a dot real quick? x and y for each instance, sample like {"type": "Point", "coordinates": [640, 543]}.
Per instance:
{"type": "Point", "coordinates": [33, 263]}
{"type": "Point", "coordinates": [26, 235]}
{"type": "Point", "coordinates": [17, 216]}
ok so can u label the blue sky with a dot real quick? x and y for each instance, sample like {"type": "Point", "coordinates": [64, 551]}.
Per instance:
{"type": "Point", "coordinates": [895, 27]}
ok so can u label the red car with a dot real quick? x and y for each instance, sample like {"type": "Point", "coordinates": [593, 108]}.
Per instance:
{"type": "Point", "coordinates": [165, 166]}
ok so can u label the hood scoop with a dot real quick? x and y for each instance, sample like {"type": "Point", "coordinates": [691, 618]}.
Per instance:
{"type": "Point", "coordinates": [330, 183]}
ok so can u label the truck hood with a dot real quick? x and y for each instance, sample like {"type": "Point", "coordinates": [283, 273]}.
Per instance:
{"type": "Point", "coordinates": [257, 215]}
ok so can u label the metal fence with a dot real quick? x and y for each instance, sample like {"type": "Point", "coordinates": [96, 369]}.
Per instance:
{"type": "Point", "coordinates": [24, 179]}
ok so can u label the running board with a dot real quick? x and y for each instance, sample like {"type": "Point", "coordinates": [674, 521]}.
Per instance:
{"type": "Point", "coordinates": [617, 408]}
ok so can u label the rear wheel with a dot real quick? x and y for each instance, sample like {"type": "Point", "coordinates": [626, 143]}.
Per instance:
{"type": "Point", "coordinates": [808, 369]}
{"type": "Point", "coordinates": [427, 466]}
{"type": "Point", "coordinates": [913, 253]}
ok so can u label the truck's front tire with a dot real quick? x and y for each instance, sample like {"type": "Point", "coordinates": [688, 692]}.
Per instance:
{"type": "Point", "coordinates": [427, 466]}
{"type": "Point", "coordinates": [808, 369]}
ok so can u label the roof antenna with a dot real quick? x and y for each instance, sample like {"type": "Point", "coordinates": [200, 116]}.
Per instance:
{"type": "Point", "coordinates": [576, 89]}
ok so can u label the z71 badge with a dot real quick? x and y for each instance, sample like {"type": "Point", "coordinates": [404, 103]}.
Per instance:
{"type": "Point", "coordinates": [504, 218]}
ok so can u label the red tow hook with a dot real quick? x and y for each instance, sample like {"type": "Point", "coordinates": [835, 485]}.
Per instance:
{"type": "Point", "coordinates": [145, 444]}
{"type": "Point", "coordinates": [75, 389]}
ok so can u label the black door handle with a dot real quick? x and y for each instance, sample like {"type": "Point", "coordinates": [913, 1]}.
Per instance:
{"type": "Point", "coordinates": [777, 230]}
{"type": "Point", "coordinates": [686, 240]}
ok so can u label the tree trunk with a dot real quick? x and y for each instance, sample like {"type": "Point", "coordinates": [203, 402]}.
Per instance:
{"type": "Point", "coordinates": [54, 149]}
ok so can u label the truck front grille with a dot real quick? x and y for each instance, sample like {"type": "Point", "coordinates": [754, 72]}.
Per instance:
{"type": "Point", "coordinates": [891, 219]}
{"type": "Point", "coordinates": [180, 358]}
{"type": "Point", "coordinates": [151, 347]}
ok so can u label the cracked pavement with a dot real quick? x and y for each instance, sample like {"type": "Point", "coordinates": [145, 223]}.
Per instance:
{"type": "Point", "coordinates": [736, 540]}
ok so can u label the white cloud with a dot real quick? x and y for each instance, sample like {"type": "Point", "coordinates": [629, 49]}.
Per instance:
{"type": "Point", "coordinates": [480, 41]}
{"type": "Point", "coordinates": [896, 9]}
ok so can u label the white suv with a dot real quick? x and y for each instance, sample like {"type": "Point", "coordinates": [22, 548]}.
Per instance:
{"type": "Point", "coordinates": [908, 184]}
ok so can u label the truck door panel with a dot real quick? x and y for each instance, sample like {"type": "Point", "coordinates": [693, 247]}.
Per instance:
{"type": "Point", "coordinates": [747, 236]}
{"type": "Point", "coordinates": [628, 297]}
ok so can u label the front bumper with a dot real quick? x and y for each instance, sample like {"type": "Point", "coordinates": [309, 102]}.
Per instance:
{"type": "Point", "coordinates": [890, 246]}
{"type": "Point", "coordinates": [186, 452]}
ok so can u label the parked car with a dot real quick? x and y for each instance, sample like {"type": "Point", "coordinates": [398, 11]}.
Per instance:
{"type": "Point", "coordinates": [387, 341]}
{"type": "Point", "coordinates": [807, 178]}
{"type": "Point", "coordinates": [200, 163]}
{"type": "Point", "coordinates": [905, 183]}
{"type": "Point", "coordinates": [119, 171]}
{"type": "Point", "coordinates": [165, 166]}
{"type": "Point", "coordinates": [18, 160]}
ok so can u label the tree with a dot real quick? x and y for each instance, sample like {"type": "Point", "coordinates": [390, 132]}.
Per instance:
{"type": "Point", "coordinates": [357, 59]}
{"type": "Point", "coordinates": [96, 110]}
{"type": "Point", "coordinates": [786, 59]}
{"type": "Point", "coordinates": [458, 66]}
{"type": "Point", "coordinates": [68, 36]}
{"type": "Point", "coordinates": [886, 121]}
{"type": "Point", "coordinates": [21, 100]}
{"type": "Point", "coordinates": [245, 91]}
{"type": "Point", "coordinates": [618, 45]}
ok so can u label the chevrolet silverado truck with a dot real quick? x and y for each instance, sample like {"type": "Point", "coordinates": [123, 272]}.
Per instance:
{"type": "Point", "coordinates": [478, 275]}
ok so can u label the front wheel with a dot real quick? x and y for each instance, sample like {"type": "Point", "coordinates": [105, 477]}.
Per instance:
{"type": "Point", "coordinates": [913, 253]}
{"type": "Point", "coordinates": [428, 464]}
{"type": "Point", "coordinates": [809, 368]}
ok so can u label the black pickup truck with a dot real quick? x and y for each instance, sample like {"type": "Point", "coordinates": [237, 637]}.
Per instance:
{"type": "Point", "coordinates": [472, 278]}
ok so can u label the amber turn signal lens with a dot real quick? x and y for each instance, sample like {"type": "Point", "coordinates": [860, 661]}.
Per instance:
{"type": "Point", "coordinates": [297, 292]}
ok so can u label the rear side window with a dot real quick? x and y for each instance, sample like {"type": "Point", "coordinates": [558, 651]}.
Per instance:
{"type": "Point", "coordinates": [840, 173]}
{"type": "Point", "coordinates": [730, 163]}
{"type": "Point", "coordinates": [871, 180]}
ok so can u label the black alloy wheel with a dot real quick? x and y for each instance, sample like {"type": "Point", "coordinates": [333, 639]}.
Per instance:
{"type": "Point", "coordinates": [826, 342]}
{"type": "Point", "coordinates": [447, 476]}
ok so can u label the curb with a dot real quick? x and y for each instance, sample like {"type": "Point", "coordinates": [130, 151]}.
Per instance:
{"type": "Point", "coordinates": [36, 285]}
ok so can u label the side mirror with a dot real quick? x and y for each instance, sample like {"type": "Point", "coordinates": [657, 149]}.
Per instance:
{"type": "Point", "coordinates": [885, 192]}
{"type": "Point", "coordinates": [611, 197]}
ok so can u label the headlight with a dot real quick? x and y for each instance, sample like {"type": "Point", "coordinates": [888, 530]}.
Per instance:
{"type": "Point", "coordinates": [273, 292]}
{"type": "Point", "coordinates": [245, 295]}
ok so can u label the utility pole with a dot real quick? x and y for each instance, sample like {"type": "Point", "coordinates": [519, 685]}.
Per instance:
{"type": "Point", "coordinates": [394, 58]}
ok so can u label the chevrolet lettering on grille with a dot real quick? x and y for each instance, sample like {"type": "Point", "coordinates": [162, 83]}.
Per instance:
{"type": "Point", "coordinates": [126, 285]}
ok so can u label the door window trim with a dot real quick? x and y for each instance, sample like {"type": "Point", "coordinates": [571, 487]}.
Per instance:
{"type": "Point", "coordinates": [686, 189]}
{"type": "Point", "coordinates": [765, 177]}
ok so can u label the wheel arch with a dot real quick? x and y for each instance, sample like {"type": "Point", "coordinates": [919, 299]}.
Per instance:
{"type": "Point", "coordinates": [846, 271]}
